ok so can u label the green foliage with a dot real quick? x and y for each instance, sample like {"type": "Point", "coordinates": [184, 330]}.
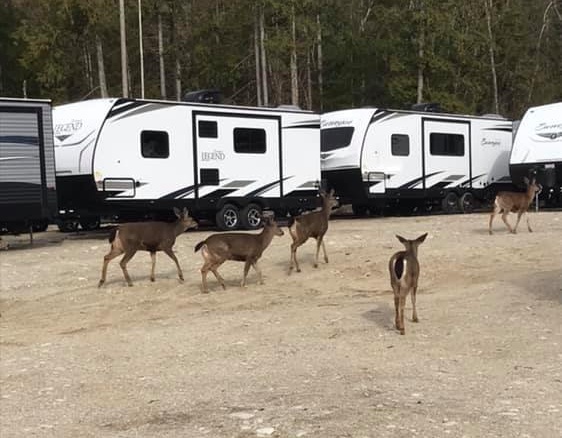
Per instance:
{"type": "Point", "coordinates": [370, 50]}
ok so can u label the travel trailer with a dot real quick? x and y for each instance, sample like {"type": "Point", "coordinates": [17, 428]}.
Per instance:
{"type": "Point", "coordinates": [377, 158]}
{"type": "Point", "coordinates": [537, 150]}
{"type": "Point", "coordinates": [129, 159]}
{"type": "Point", "coordinates": [27, 165]}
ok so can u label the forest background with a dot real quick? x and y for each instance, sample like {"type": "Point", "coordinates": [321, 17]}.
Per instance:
{"type": "Point", "coordinates": [471, 56]}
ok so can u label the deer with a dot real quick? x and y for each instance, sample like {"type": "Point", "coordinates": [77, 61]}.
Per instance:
{"type": "Point", "coordinates": [516, 202]}
{"type": "Point", "coordinates": [240, 247]}
{"type": "Point", "coordinates": [311, 224]}
{"type": "Point", "coordinates": [404, 273]}
{"type": "Point", "coordinates": [152, 236]}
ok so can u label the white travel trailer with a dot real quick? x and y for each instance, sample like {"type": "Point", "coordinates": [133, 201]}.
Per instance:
{"type": "Point", "coordinates": [27, 165]}
{"type": "Point", "coordinates": [129, 159]}
{"type": "Point", "coordinates": [375, 158]}
{"type": "Point", "coordinates": [537, 150]}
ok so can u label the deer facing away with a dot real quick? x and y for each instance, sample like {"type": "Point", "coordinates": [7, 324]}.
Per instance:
{"type": "Point", "coordinates": [146, 236]}
{"type": "Point", "coordinates": [240, 247]}
{"type": "Point", "coordinates": [314, 224]}
{"type": "Point", "coordinates": [404, 273]}
{"type": "Point", "coordinates": [515, 202]}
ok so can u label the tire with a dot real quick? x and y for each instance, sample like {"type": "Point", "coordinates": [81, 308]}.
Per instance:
{"type": "Point", "coordinates": [466, 202]}
{"type": "Point", "coordinates": [90, 223]}
{"type": "Point", "coordinates": [68, 226]}
{"type": "Point", "coordinates": [250, 217]}
{"type": "Point", "coordinates": [359, 210]}
{"type": "Point", "coordinates": [228, 217]}
{"type": "Point", "coordinates": [39, 227]}
{"type": "Point", "coordinates": [450, 202]}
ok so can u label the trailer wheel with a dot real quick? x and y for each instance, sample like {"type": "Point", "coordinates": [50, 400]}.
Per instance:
{"type": "Point", "coordinates": [90, 223]}
{"type": "Point", "coordinates": [68, 226]}
{"type": "Point", "coordinates": [251, 217]}
{"type": "Point", "coordinates": [40, 226]}
{"type": "Point", "coordinates": [449, 202]}
{"type": "Point", "coordinates": [228, 217]}
{"type": "Point", "coordinates": [466, 202]}
{"type": "Point", "coordinates": [359, 210]}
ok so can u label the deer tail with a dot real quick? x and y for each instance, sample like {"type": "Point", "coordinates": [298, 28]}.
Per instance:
{"type": "Point", "coordinates": [199, 245]}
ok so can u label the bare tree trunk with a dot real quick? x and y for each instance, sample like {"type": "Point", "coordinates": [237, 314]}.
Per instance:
{"type": "Point", "coordinates": [309, 79]}
{"type": "Point", "coordinates": [124, 69]}
{"type": "Point", "coordinates": [141, 51]}
{"type": "Point", "coordinates": [178, 79]}
{"type": "Point", "coordinates": [161, 58]}
{"type": "Point", "coordinates": [263, 59]}
{"type": "Point", "coordinates": [320, 67]}
{"type": "Point", "coordinates": [421, 54]}
{"type": "Point", "coordinates": [101, 67]}
{"type": "Point", "coordinates": [294, 71]}
{"type": "Point", "coordinates": [88, 66]}
{"type": "Point", "coordinates": [257, 60]}
{"type": "Point", "coordinates": [489, 6]}
{"type": "Point", "coordinates": [538, 49]}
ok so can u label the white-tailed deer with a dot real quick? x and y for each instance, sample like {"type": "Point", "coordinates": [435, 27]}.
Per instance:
{"type": "Point", "coordinates": [240, 247]}
{"type": "Point", "coordinates": [146, 236]}
{"type": "Point", "coordinates": [515, 202]}
{"type": "Point", "coordinates": [313, 224]}
{"type": "Point", "coordinates": [404, 273]}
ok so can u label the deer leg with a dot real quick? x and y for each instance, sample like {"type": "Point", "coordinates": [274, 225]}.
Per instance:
{"type": "Point", "coordinates": [107, 258]}
{"type": "Point", "coordinates": [153, 257]}
{"type": "Point", "coordinates": [247, 265]}
{"type": "Point", "coordinates": [414, 312]}
{"type": "Point", "coordinates": [402, 304]}
{"type": "Point", "coordinates": [294, 247]}
{"type": "Point", "coordinates": [528, 223]}
{"type": "Point", "coordinates": [258, 270]}
{"type": "Point", "coordinates": [218, 277]}
{"type": "Point", "coordinates": [519, 214]}
{"type": "Point", "coordinates": [318, 244]}
{"type": "Point", "coordinates": [397, 308]}
{"type": "Point", "coordinates": [324, 250]}
{"type": "Point", "coordinates": [171, 254]}
{"type": "Point", "coordinates": [123, 263]}
{"type": "Point", "coordinates": [204, 270]}
{"type": "Point", "coordinates": [492, 216]}
{"type": "Point", "coordinates": [504, 219]}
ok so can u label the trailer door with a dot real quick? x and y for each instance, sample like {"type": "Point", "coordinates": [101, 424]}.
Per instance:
{"type": "Point", "coordinates": [446, 156]}
{"type": "Point", "coordinates": [238, 155]}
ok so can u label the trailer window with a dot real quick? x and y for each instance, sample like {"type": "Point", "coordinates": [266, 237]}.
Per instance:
{"type": "Point", "coordinates": [400, 145]}
{"type": "Point", "coordinates": [249, 141]}
{"type": "Point", "coordinates": [446, 144]}
{"type": "Point", "coordinates": [335, 138]}
{"type": "Point", "coordinates": [155, 144]}
{"type": "Point", "coordinates": [207, 129]}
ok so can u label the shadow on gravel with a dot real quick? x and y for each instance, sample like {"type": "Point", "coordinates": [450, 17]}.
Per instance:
{"type": "Point", "coordinates": [545, 285]}
{"type": "Point", "coordinates": [382, 315]}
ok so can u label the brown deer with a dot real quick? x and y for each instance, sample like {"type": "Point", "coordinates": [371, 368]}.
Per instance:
{"type": "Point", "coordinates": [515, 202]}
{"type": "Point", "coordinates": [146, 236]}
{"type": "Point", "coordinates": [313, 224]}
{"type": "Point", "coordinates": [240, 247]}
{"type": "Point", "coordinates": [404, 279]}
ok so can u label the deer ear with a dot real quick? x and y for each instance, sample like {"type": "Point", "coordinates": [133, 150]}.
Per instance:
{"type": "Point", "coordinates": [185, 211]}
{"type": "Point", "coordinates": [421, 238]}
{"type": "Point", "coordinates": [526, 180]}
{"type": "Point", "coordinates": [401, 239]}
{"type": "Point", "coordinates": [177, 212]}
{"type": "Point", "coordinates": [332, 192]}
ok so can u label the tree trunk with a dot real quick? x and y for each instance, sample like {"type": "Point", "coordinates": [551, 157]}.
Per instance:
{"type": "Point", "coordinates": [161, 58]}
{"type": "Point", "coordinates": [538, 51]}
{"type": "Point", "coordinates": [263, 59]}
{"type": "Point", "coordinates": [421, 54]}
{"type": "Point", "coordinates": [178, 79]}
{"type": "Point", "coordinates": [101, 68]}
{"type": "Point", "coordinates": [257, 59]}
{"type": "Point", "coordinates": [489, 6]}
{"type": "Point", "coordinates": [309, 79]}
{"type": "Point", "coordinates": [141, 50]}
{"type": "Point", "coordinates": [124, 69]}
{"type": "Point", "coordinates": [294, 71]}
{"type": "Point", "coordinates": [320, 68]}
{"type": "Point", "coordinates": [88, 67]}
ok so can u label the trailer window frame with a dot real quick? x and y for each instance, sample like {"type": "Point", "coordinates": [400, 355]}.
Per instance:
{"type": "Point", "coordinates": [249, 140]}
{"type": "Point", "coordinates": [339, 137]}
{"type": "Point", "coordinates": [155, 144]}
{"type": "Point", "coordinates": [400, 145]}
{"type": "Point", "coordinates": [207, 129]}
{"type": "Point", "coordinates": [446, 144]}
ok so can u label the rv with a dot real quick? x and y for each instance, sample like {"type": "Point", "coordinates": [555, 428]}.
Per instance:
{"type": "Point", "coordinates": [377, 158]}
{"type": "Point", "coordinates": [129, 159]}
{"type": "Point", "coordinates": [537, 150]}
{"type": "Point", "coordinates": [27, 165]}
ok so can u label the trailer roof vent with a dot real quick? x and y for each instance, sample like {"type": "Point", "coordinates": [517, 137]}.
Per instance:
{"type": "Point", "coordinates": [203, 96]}
{"type": "Point", "coordinates": [430, 107]}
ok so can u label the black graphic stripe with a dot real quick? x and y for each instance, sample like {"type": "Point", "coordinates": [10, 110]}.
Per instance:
{"type": "Point", "coordinates": [416, 181]}
{"type": "Point", "coordinates": [125, 107]}
{"type": "Point", "coordinates": [180, 193]}
{"type": "Point", "coordinates": [219, 193]}
{"type": "Point", "coordinates": [306, 126]}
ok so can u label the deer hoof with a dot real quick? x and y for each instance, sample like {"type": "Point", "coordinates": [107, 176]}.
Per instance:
{"type": "Point", "coordinates": [415, 319]}
{"type": "Point", "coordinates": [152, 279]}
{"type": "Point", "coordinates": [205, 291]}
{"type": "Point", "coordinates": [315, 265]}
{"type": "Point", "coordinates": [298, 269]}
{"type": "Point", "coordinates": [402, 332]}
{"type": "Point", "coordinates": [130, 284]}
{"type": "Point", "coordinates": [101, 282]}
{"type": "Point", "coordinates": [181, 280]}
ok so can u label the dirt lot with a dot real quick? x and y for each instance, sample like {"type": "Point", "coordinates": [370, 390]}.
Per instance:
{"type": "Point", "coordinates": [310, 355]}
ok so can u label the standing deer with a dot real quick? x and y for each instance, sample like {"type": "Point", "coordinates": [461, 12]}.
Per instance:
{"type": "Point", "coordinates": [314, 224]}
{"type": "Point", "coordinates": [146, 236]}
{"type": "Point", "coordinates": [404, 279]}
{"type": "Point", "coordinates": [240, 247]}
{"type": "Point", "coordinates": [515, 202]}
